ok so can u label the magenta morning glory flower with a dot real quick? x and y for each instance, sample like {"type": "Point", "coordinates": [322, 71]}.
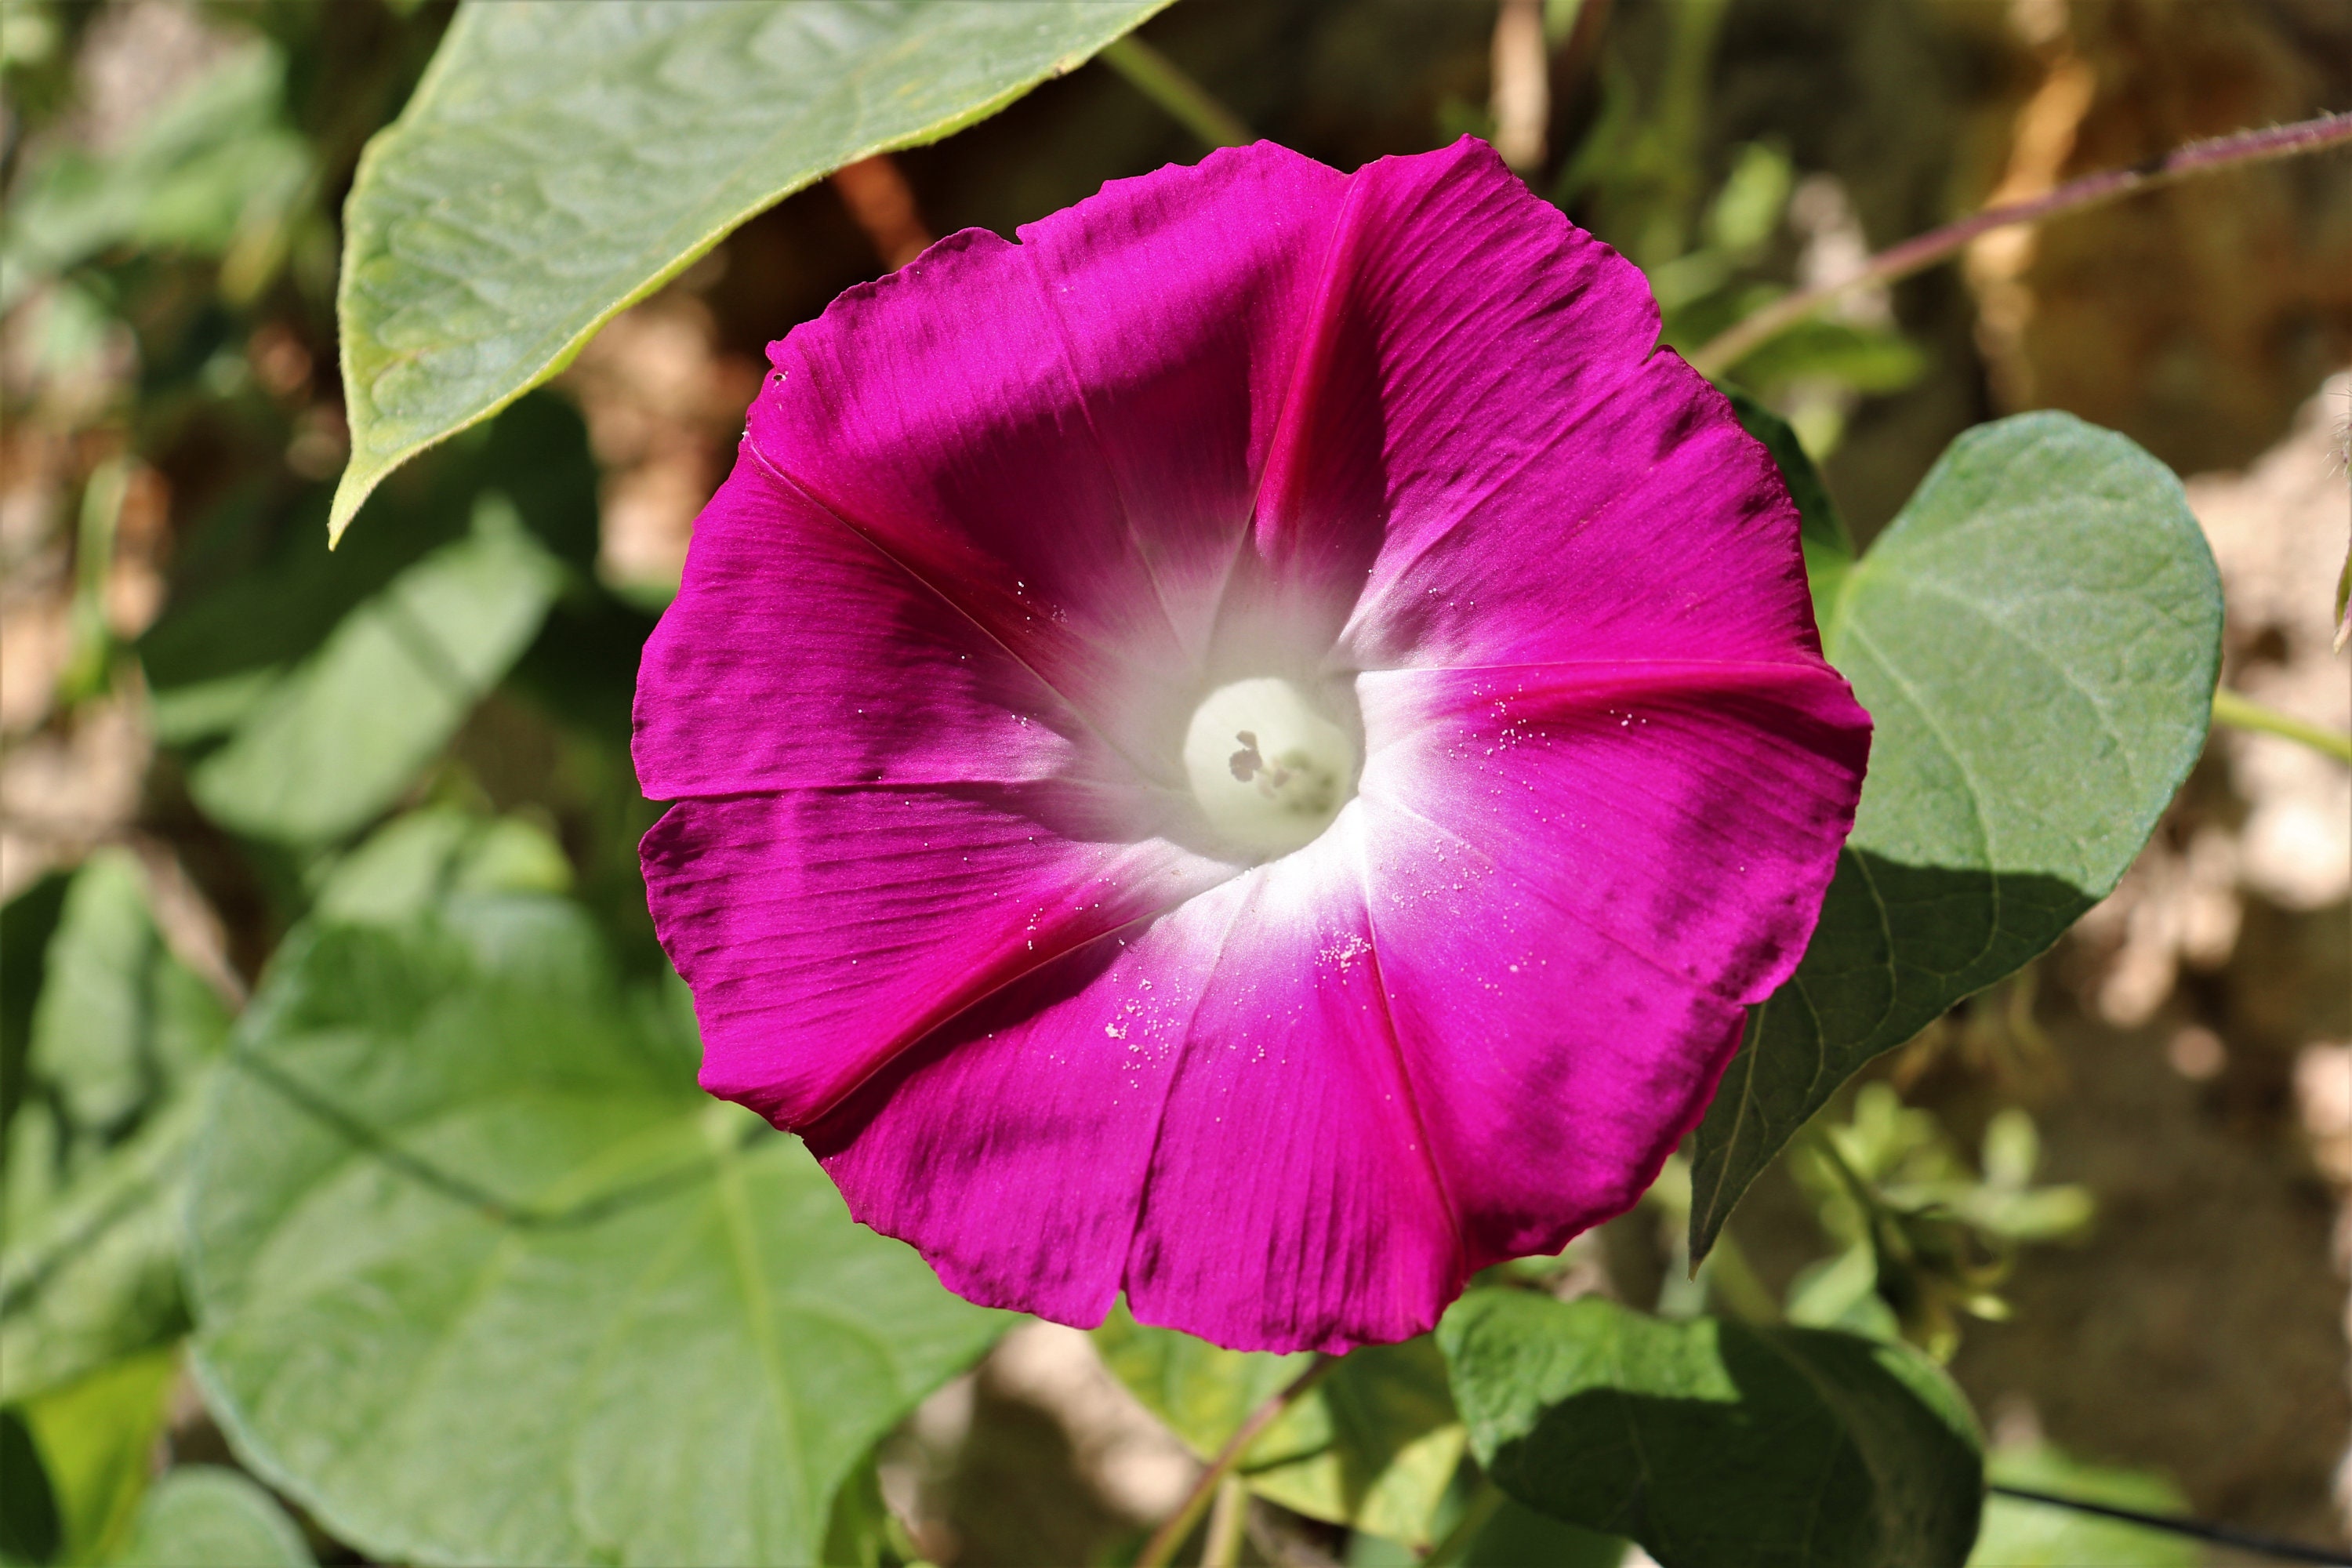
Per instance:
{"type": "Point", "coordinates": [1248, 749]}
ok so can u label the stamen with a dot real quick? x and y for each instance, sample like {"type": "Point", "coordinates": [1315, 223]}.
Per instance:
{"type": "Point", "coordinates": [1294, 770]}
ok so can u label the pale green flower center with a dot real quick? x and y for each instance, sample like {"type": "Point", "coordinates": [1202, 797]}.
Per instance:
{"type": "Point", "coordinates": [1269, 770]}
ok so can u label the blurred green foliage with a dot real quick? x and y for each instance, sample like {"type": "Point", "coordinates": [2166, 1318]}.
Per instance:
{"type": "Point", "coordinates": [1375, 1445]}
{"type": "Point", "coordinates": [122, 1035]}
{"type": "Point", "coordinates": [202, 1516]}
{"type": "Point", "coordinates": [1921, 1234]}
{"type": "Point", "coordinates": [218, 173]}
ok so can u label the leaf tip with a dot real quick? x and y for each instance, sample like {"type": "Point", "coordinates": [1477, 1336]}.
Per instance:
{"type": "Point", "coordinates": [1702, 1228]}
{"type": "Point", "coordinates": [351, 492]}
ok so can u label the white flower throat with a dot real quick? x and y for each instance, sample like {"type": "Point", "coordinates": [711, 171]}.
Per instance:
{"type": "Point", "coordinates": [1269, 770]}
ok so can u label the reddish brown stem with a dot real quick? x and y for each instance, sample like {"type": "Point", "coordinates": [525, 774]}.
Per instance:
{"type": "Point", "coordinates": [1917, 254]}
{"type": "Point", "coordinates": [882, 204]}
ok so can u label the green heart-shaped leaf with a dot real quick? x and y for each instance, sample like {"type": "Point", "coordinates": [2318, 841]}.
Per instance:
{"type": "Point", "coordinates": [2037, 639]}
{"type": "Point", "coordinates": [481, 1276]}
{"type": "Point", "coordinates": [1714, 1444]}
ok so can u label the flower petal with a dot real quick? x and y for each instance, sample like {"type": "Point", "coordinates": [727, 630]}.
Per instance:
{"type": "Point", "coordinates": [1578, 878]}
{"type": "Point", "coordinates": [747, 685]}
{"type": "Point", "coordinates": [1186, 298]}
{"type": "Point", "coordinates": [1011, 1146]}
{"type": "Point", "coordinates": [1486, 445]}
{"type": "Point", "coordinates": [1214, 1115]}
{"type": "Point", "coordinates": [1003, 517]}
{"type": "Point", "coordinates": [940, 411]}
{"type": "Point", "coordinates": [1293, 1202]}
{"type": "Point", "coordinates": [824, 930]}
{"type": "Point", "coordinates": [1659, 530]}
{"type": "Point", "coordinates": [1390, 1058]}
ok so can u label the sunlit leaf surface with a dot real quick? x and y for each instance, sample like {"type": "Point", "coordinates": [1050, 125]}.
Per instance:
{"type": "Point", "coordinates": [561, 161]}
{"type": "Point", "coordinates": [482, 1275]}
{"type": "Point", "coordinates": [95, 1439]}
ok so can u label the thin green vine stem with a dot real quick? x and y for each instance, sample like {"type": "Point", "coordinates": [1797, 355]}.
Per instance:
{"type": "Point", "coordinates": [1734, 1282]}
{"type": "Point", "coordinates": [2194, 1528]}
{"type": "Point", "coordinates": [1922, 251]}
{"type": "Point", "coordinates": [1228, 1516]}
{"type": "Point", "coordinates": [2240, 713]}
{"type": "Point", "coordinates": [1481, 1507]}
{"type": "Point", "coordinates": [1160, 1550]}
{"type": "Point", "coordinates": [1164, 82]}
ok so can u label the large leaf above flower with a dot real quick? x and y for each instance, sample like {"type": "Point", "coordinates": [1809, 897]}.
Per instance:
{"type": "Point", "coordinates": [2036, 637]}
{"type": "Point", "coordinates": [481, 1276]}
{"type": "Point", "coordinates": [561, 161]}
